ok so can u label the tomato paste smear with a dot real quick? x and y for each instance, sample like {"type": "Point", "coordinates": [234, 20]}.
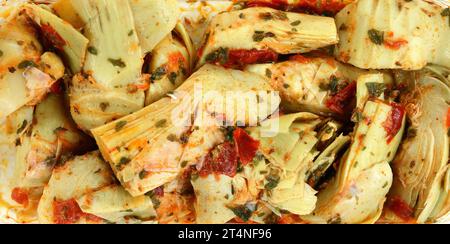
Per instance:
{"type": "Point", "coordinates": [247, 147]}
{"type": "Point", "coordinates": [68, 212]}
{"type": "Point", "coordinates": [341, 102]}
{"type": "Point", "coordinates": [400, 208]}
{"type": "Point", "coordinates": [20, 196]}
{"type": "Point", "coordinates": [394, 121]}
{"type": "Point", "coordinates": [315, 6]}
{"type": "Point", "coordinates": [221, 160]}
{"type": "Point", "coordinates": [52, 36]}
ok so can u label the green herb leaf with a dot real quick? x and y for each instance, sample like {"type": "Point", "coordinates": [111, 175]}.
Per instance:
{"type": "Point", "coordinates": [1, 53]}
{"type": "Point", "coordinates": [173, 77]}
{"type": "Point", "coordinates": [266, 16]}
{"type": "Point", "coordinates": [376, 36]}
{"type": "Point", "coordinates": [131, 33]}
{"type": "Point", "coordinates": [220, 55]}
{"type": "Point", "coordinates": [122, 162]}
{"type": "Point", "coordinates": [172, 138]}
{"type": "Point", "coordinates": [117, 62]}
{"type": "Point", "coordinates": [143, 174]}
{"type": "Point", "coordinates": [375, 89]}
{"type": "Point", "coordinates": [161, 123]}
{"type": "Point", "coordinates": [120, 125]}
{"type": "Point", "coordinates": [295, 23]}
{"type": "Point", "coordinates": [334, 84]}
{"type": "Point", "coordinates": [268, 73]}
{"type": "Point", "coordinates": [243, 212]}
{"type": "Point", "coordinates": [22, 127]}
{"type": "Point", "coordinates": [92, 50]}
{"type": "Point", "coordinates": [26, 63]}
{"type": "Point", "coordinates": [272, 181]}
{"type": "Point", "coordinates": [159, 73]}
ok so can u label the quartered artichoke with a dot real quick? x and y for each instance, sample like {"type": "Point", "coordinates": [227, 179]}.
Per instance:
{"type": "Point", "coordinates": [358, 191]}
{"type": "Point", "coordinates": [263, 33]}
{"type": "Point", "coordinates": [26, 73]}
{"type": "Point", "coordinates": [145, 148]}
{"type": "Point", "coordinates": [310, 83]}
{"type": "Point", "coordinates": [393, 34]}
{"type": "Point", "coordinates": [44, 135]}
{"type": "Point", "coordinates": [83, 190]}
{"type": "Point", "coordinates": [421, 167]}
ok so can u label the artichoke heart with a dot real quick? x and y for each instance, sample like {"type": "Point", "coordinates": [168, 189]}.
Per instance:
{"type": "Point", "coordinates": [83, 190]}
{"type": "Point", "coordinates": [145, 148]}
{"type": "Point", "coordinates": [154, 20]}
{"type": "Point", "coordinates": [289, 144]}
{"type": "Point", "coordinates": [169, 68]}
{"type": "Point", "coordinates": [42, 140]}
{"type": "Point", "coordinates": [63, 36]}
{"type": "Point", "coordinates": [214, 194]}
{"type": "Point", "coordinates": [421, 166]}
{"type": "Point", "coordinates": [359, 189]}
{"type": "Point", "coordinates": [265, 29]}
{"type": "Point", "coordinates": [111, 83]}
{"type": "Point", "coordinates": [25, 78]}
{"type": "Point", "coordinates": [393, 34]}
{"type": "Point", "coordinates": [306, 84]}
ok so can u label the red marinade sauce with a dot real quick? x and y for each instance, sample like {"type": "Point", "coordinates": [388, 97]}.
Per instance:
{"type": "Point", "coordinates": [57, 87]}
{"type": "Point", "coordinates": [316, 6]}
{"type": "Point", "coordinates": [320, 6]}
{"type": "Point", "coordinates": [340, 102]}
{"type": "Point", "coordinates": [394, 121]}
{"type": "Point", "coordinates": [68, 212]}
{"type": "Point", "coordinates": [53, 37]}
{"type": "Point", "coordinates": [221, 160]}
{"type": "Point", "coordinates": [275, 4]}
{"type": "Point", "coordinates": [159, 191]}
{"type": "Point", "coordinates": [300, 58]}
{"type": "Point", "coordinates": [246, 146]}
{"type": "Point", "coordinates": [238, 58]}
{"type": "Point", "coordinates": [400, 208]}
{"type": "Point", "coordinates": [20, 196]}
{"type": "Point", "coordinates": [448, 118]}
{"type": "Point", "coordinates": [395, 45]}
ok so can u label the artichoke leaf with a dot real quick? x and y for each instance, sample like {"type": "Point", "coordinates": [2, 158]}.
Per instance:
{"type": "Point", "coordinates": [389, 35]}
{"type": "Point", "coordinates": [48, 135]}
{"type": "Point", "coordinates": [229, 31]}
{"type": "Point", "coordinates": [69, 40]}
{"type": "Point", "coordinates": [154, 20]}
{"type": "Point", "coordinates": [113, 203]}
{"type": "Point", "coordinates": [358, 191]}
{"type": "Point", "coordinates": [169, 67]}
{"type": "Point", "coordinates": [422, 161]}
{"type": "Point", "coordinates": [134, 144]}
{"type": "Point", "coordinates": [112, 67]}
{"type": "Point", "coordinates": [213, 195]}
